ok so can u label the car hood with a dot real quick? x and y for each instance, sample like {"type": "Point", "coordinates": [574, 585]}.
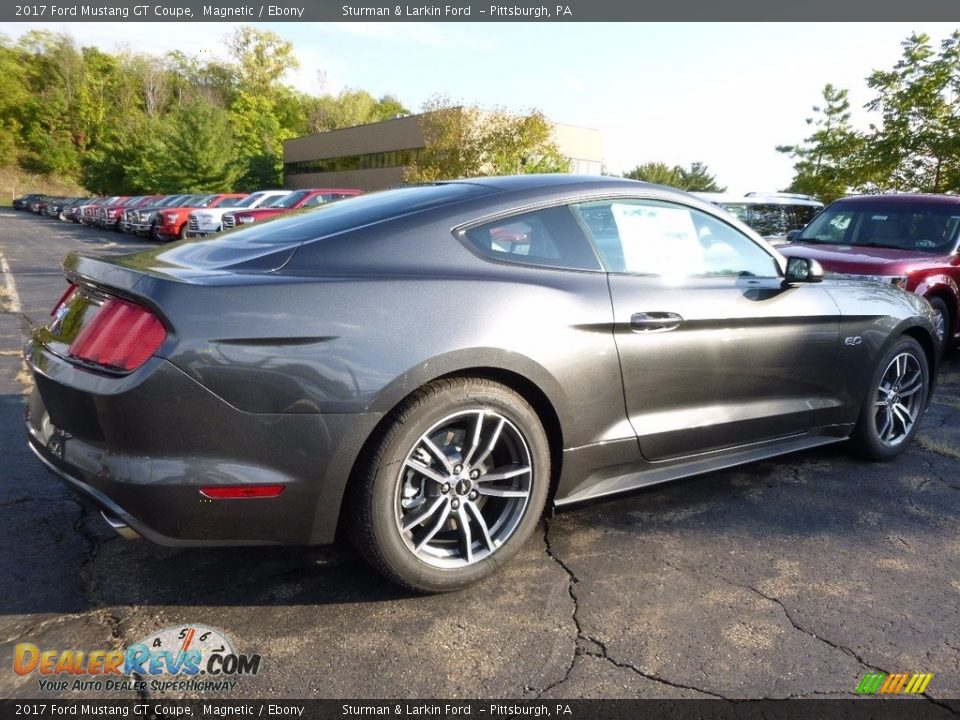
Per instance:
{"type": "Point", "coordinates": [857, 259]}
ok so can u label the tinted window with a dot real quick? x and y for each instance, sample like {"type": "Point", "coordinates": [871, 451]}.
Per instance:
{"type": "Point", "coordinates": [770, 219]}
{"type": "Point", "coordinates": [802, 214]}
{"type": "Point", "coordinates": [649, 237]}
{"type": "Point", "coordinates": [549, 238]}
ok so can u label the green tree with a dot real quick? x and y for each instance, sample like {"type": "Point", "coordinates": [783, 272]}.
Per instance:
{"type": "Point", "coordinates": [830, 161]}
{"type": "Point", "coordinates": [914, 143]}
{"type": "Point", "coordinates": [200, 149]}
{"type": "Point", "coordinates": [13, 96]}
{"type": "Point", "coordinates": [259, 141]}
{"type": "Point", "coordinates": [655, 172]}
{"type": "Point", "coordinates": [462, 141]}
{"type": "Point", "coordinates": [263, 58]}
{"type": "Point", "coordinates": [917, 145]}
{"type": "Point", "coordinates": [696, 178]}
{"type": "Point", "coordinates": [350, 108]}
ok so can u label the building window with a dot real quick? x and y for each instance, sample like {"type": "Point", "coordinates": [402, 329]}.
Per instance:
{"type": "Point", "coordinates": [367, 161]}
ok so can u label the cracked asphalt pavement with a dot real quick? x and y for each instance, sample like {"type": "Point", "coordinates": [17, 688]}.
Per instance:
{"type": "Point", "coordinates": [789, 578]}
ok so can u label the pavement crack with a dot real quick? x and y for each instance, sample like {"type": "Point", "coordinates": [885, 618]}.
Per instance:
{"type": "Point", "coordinates": [18, 501]}
{"type": "Point", "coordinates": [571, 581]}
{"type": "Point", "coordinates": [938, 476]}
{"type": "Point", "coordinates": [590, 646]}
{"type": "Point", "coordinates": [786, 612]}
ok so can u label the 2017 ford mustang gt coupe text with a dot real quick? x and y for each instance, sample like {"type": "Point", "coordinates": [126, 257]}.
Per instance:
{"type": "Point", "coordinates": [425, 368]}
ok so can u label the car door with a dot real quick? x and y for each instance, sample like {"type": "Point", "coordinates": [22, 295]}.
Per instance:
{"type": "Point", "coordinates": [715, 352]}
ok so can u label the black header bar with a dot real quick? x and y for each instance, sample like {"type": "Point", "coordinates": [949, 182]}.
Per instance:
{"type": "Point", "coordinates": [920, 708]}
{"type": "Point", "coordinates": [479, 11]}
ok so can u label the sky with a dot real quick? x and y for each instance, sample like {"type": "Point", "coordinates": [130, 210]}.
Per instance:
{"type": "Point", "coordinates": [725, 94]}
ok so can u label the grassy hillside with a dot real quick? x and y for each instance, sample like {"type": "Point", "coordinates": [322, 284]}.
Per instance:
{"type": "Point", "coordinates": [14, 182]}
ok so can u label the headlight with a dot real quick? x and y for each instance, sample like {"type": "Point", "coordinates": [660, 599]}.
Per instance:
{"type": "Point", "coordinates": [171, 218]}
{"type": "Point", "coordinates": [244, 219]}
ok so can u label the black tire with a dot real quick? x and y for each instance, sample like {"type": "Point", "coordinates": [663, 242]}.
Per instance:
{"type": "Point", "coordinates": [888, 419]}
{"type": "Point", "coordinates": [466, 412]}
{"type": "Point", "coordinates": [182, 234]}
{"type": "Point", "coordinates": [941, 309]}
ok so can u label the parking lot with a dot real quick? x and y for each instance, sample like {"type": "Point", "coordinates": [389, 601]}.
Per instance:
{"type": "Point", "coordinates": [790, 578]}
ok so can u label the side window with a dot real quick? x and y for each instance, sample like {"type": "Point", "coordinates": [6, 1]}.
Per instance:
{"type": "Point", "coordinates": [549, 238]}
{"type": "Point", "coordinates": [316, 200]}
{"type": "Point", "coordinates": [769, 219]}
{"type": "Point", "coordinates": [803, 214]}
{"type": "Point", "coordinates": [650, 237]}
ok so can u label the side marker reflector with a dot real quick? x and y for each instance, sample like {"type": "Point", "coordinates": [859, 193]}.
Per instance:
{"type": "Point", "coordinates": [235, 492]}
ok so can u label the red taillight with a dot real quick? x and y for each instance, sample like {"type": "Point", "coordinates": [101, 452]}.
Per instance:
{"type": "Point", "coordinates": [64, 299]}
{"type": "Point", "coordinates": [121, 335]}
{"type": "Point", "coordinates": [234, 492]}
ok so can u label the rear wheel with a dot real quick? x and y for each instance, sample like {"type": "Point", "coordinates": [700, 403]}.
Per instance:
{"type": "Point", "coordinates": [454, 486]}
{"type": "Point", "coordinates": [895, 403]}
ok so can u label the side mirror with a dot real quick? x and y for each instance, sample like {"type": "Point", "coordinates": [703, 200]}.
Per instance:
{"type": "Point", "coordinates": [802, 270]}
{"type": "Point", "coordinates": [793, 235]}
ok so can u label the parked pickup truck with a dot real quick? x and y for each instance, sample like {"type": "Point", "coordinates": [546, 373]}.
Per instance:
{"type": "Point", "coordinates": [296, 200]}
{"type": "Point", "coordinates": [209, 220]}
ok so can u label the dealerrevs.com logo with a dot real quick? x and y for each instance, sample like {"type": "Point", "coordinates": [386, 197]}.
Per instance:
{"type": "Point", "coordinates": [184, 658]}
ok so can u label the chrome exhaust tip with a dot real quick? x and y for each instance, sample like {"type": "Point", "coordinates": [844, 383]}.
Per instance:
{"type": "Point", "coordinates": [120, 527]}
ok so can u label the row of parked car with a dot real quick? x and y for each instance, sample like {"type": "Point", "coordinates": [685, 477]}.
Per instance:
{"type": "Point", "coordinates": [172, 217]}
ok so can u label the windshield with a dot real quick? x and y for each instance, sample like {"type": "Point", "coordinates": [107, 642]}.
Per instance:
{"type": "Point", "coordinates": [904, 226]}
{"type": "Point", "coordinates": [288, 201]}
{"type": "Point", "coordinates": [229, 202]}
{"type": "Point", "coordinates": [273, 201]}
{"type": "Point", "coordinates": [249, 200]}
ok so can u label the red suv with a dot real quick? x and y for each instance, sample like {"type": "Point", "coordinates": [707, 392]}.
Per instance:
{"type": "Point", "coordinates": [911, 241]}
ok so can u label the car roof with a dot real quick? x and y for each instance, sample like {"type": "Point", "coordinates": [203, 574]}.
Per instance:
{"type": "Point", "coordinates": [756, 199]}
{"type": "Point", "coordinates": [903, 198]}
{"type": "Point", "coordinates": [532, 182]}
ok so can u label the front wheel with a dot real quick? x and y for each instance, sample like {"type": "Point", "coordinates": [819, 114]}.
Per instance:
{"type": "Point", "coordinates": [895, 403]}
{"type": "Point", "coordinates": [942, 323]}
{"type": "Point", "coordinates": [455, 484]}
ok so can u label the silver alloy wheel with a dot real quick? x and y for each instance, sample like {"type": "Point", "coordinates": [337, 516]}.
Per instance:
{"type": "Point", "coordinates": [899, 399]}
{"type": "Point", "coordinates": [463, 488]}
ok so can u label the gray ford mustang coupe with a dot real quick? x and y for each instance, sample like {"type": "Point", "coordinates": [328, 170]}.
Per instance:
{"type": "Point", "coordinates": [425, 368]}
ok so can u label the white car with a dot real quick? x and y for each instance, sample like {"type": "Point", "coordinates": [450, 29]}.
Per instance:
{"type": "Point", "coordinates": [210, 220]}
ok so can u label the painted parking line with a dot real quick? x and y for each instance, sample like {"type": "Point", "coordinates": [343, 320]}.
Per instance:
{"type": "Point", "coordinates": [13, 299]}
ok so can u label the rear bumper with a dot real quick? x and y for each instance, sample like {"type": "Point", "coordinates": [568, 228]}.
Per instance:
{"type": "Point", "coordinates": [142, 446]}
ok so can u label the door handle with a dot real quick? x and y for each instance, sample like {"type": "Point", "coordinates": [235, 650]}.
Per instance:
{"type": "Point", "coordinates": [655, 322]}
